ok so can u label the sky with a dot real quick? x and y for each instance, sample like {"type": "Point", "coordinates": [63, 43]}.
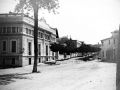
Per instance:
{"type": "Point", "coordinates": [83, 20]}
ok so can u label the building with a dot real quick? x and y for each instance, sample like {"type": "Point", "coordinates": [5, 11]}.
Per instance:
{"type": "Point", "coordinates": [109, 47]}
{"type": "Point", "coordinates": [17, 40]}
{"type": "Point", "coordinates": [77, 43]}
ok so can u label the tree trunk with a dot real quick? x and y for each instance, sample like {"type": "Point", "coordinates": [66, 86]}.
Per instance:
{"type": "Point", "coordinates": [35, 38]}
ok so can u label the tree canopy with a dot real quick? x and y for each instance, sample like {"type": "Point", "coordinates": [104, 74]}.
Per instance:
{"type": "Point", "coordinates": [85, 48]}
{"type": "Point", "coordinates": [64, 45]}
{"type": "Point", "coordinates": [29, 5]}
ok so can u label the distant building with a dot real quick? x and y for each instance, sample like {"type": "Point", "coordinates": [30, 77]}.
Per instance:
{"type": "Point", "coordinates": [77, 43]}
{"type": "Point", "coordinates": [17, 40]}
{"type": "Point", "coordinates": [110, 47]}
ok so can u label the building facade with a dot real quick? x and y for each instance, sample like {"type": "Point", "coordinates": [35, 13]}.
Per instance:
{"type": "Point", "coordinates": [109, 47]}
{"type": "Point", "coordinates": [17, 40]}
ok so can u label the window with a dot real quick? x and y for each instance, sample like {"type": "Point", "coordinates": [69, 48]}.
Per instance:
{"type": "Point", "coordinates": [52, 53]}
{"type": "Point", "coordinates": [41, 36]}
{"type": "Point", "coordinates": [32, 32]}
{"type": "Point", "coordinates": [26, 30]}
{"type": "Point", "coordinates": [29, 61]}
{"type": "Point", "coordinates": [39, 49]}
{"type": "Point", "coordinates": [29, 48]}
{"type": "Point", "coordinates": [46, 50]}
{"type": "Point", "coordinates": [109, 42]}
{"type": "Point", "coordinates": [4, 45]}
{"type": "Point", "coordinates": [8, 29]}
{"type": "Point", "coordinates": [114, 41]}
{"type": "Point", "coordinates": [19, 29]}
{"type": "Point", "coordinates": [45, 36]}
{"type": "Point", "coordinates": [29, 32]}
{"type": "Point", "coordinates": [13, 46]}
{"type": "Point", "coordinates": [48, 37]}
{"type": "Point", "coordinates": [39, 60]}
{"type": "Point", "coordinates": [4, 30]}
{"type": "Point", "coordinates": [13, 29]}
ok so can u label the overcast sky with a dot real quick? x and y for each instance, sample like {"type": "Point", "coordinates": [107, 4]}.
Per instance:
{"type": "Point", "coordinates": [83, 20]}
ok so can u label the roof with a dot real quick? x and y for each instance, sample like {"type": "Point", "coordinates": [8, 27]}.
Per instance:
{"type": "Point", "coordinates": [25, 18]}
{"type": "Point", "coordinates": [106, 39]}
{"type": "Point", "coordinates": [116, 31]}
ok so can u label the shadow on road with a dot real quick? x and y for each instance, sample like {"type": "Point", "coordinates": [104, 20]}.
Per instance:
{"type": "Point", "coordinates": [9, 78]}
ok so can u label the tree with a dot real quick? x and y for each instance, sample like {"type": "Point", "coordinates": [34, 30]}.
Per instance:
{"type": "Point", "coordinates": [35, 5]}
{"type": "Point", "coordinates": [64, 46]}
{"type": "Point", "coordinates": [85, 48]}
{"type": "Point", "coordinates": [55, 47]}
{"type": "Point", "coordinates": [82, 49]}
{"type": "Point", "coordinates": [62, 40]}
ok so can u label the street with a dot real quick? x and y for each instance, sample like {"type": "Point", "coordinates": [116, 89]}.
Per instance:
{"type": "Point", "coordinates": [67, 75]}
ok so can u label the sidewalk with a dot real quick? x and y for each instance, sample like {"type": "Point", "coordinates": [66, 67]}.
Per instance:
{"type": "Point", "coordinates": [41, 66]}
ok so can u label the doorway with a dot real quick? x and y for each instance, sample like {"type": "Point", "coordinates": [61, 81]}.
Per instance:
{"type": "Point", "coordinates": [29, 61]}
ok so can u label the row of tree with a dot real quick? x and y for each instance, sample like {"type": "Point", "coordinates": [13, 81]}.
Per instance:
{"type": "Point", "coordinates": [68, 46]}
{"type": "Point", "coordinates": [63, 45]}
